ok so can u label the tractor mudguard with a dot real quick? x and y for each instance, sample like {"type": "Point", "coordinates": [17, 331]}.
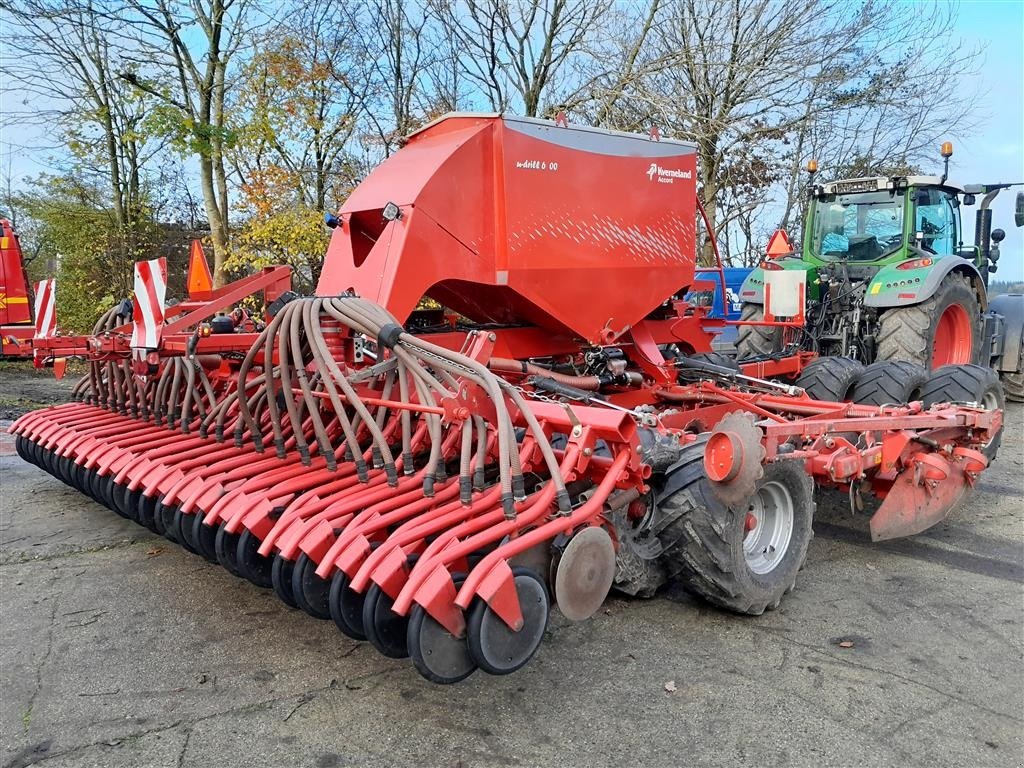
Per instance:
{"type": "Point", "coordinates": [893, 286]}
{"type": "Point", "coordinates": [752, 290]}
{"type": "Point", "coordinates": [1011, 307]}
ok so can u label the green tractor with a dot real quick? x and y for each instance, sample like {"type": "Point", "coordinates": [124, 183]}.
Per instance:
{"type": "Point", "coordinates": [888, 278]}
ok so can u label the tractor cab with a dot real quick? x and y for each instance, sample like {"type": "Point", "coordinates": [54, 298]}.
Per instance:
{"type": "Point", "coordinates": [878, 220]}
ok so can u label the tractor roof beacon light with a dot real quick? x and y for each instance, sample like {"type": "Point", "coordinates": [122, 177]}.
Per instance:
{"type": "Point", "coordinates": [946, 150]}
{"type": "Point", "coordinates": [812, 169]}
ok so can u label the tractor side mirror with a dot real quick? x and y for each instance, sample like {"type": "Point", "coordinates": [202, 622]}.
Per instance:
{"type": "Point", "coordinates": [1018, 216]}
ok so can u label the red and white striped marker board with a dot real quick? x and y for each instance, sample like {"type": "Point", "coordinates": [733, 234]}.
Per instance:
{"type": "Point", "coordinates": [148, 312]}
{"type": "Point", "coordinates": [46, 308]}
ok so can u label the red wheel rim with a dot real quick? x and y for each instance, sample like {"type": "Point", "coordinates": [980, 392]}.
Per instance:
{"type": "Point", "coordinates": [954, 338]}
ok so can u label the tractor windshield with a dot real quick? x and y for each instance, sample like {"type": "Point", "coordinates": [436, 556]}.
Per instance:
{"type": "Point", "coordinates": [858, 227]}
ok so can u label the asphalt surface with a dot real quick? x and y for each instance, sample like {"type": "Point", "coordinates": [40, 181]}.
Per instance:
{"type": "Point", "coordinates": [119, 649]}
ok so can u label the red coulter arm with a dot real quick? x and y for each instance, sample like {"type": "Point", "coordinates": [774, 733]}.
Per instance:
{"type": "Point", "coordinates": [432, 478]}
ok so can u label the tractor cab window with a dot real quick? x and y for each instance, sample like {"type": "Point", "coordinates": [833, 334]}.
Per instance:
{"type": "Point", "coordinates": [858, 227]}
{"type": "Point", "coordinates": [935, 222]}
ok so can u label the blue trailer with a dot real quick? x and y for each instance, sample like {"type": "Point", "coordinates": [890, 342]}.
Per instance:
{"type": "Point", "coordinates": [734, 277]}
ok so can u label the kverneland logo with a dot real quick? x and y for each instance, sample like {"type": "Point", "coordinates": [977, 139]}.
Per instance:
{"type": "Point", "coordinates": [666, 175]}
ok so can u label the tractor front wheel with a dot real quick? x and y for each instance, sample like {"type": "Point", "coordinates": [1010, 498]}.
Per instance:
{"type": "Point", "coordinates": [944, 330]}
{"type": "Point", "coordinates": [756, 340]}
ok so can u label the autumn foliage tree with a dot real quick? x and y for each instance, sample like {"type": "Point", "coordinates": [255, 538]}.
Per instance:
{"type": "Point", "coordinates": [294, 117]}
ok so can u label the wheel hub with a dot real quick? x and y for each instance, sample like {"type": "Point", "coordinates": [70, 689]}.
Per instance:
{"type": "Point", "coordinates": [954, 340]}
{"type": "Point", "coordinates": [767, 540]}
{"type": "Point", "coordinates": [732, 459]}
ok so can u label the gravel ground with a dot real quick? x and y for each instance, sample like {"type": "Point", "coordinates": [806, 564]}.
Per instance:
{"type": "Point", "coordinates": [119, 649]}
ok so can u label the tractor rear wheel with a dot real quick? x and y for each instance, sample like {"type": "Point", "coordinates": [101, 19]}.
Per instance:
{"type": "Point", "coordinates": [944, 330]}
{"type": "Point", "coordinates": [967, 384]}
{"type": "Point", "coordinates": [830, 378]}
{"type": "Point", "coordinates": [741, 559]}
{"type": "Point", "coordinates": [756, 340]}
{"type": "Point", "coordinates": [891, 382]}
{"type": "Point", "coordinates": [1013, 386]}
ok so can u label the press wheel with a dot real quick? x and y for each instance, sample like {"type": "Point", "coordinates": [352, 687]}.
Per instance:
{"type": "Point", "coordinates": [251, 564]}
{"type": "Point", "coordinates": [226, 545]}
{"type": "Point", "coordinates": [436, 653]}
{"type": "Point", "coordinates": [281, 580]}
{"type": "Point", "coordinates": [311, 592]}
{"type": "Point", "coordinates": [346, 606]}
{"type": "Point", "coordinates": [204, 537]}
{"type": "Point", "coordinates": [145, 510]}
{"type": "Point", "coordinates": [496, 647]}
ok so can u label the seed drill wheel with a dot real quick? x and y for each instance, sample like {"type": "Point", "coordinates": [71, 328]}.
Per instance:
{"type": "Point", "coordinates": [145, 511]}
{"type": "Point", "coordinates": [385, 629]}
{"type": "Point", "coordinates": [226, 545]}
{"type": "Point", "coordinates": [493, 644]}
{"type": "Point", "coordinates": [584, 573]}
{"type": "Point", "coordinates": [165, 517]}
{"type": "Point", "coordinates": [346, 606]}
{"type": "Point", "coordinates": [131, 503]}
{"type": "Point", "coordinates": [203, 536]}
{"type": "Point", "coordinates": [99, 488]}
{"type": "Point", "coordinates": [77, 475]}
{"type": "Point", "coordinates": [436, 653]}
{"type": "Point", "coordinates": [281, 580]}
{"type": "Point", "coordinates": [745, 556]}
{"type": "Point", "coordinates": [967, 384]}
{"type": "Point", "coordinates": [251, 564]}
{"type": "Point", "coordinates": [21, 447]}
{"type": "Point", "coordinates": [310, 591]}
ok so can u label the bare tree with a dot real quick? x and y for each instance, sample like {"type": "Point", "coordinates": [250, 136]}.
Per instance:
{"type": "Point", "coordinates": [759, 87]}
{"type": "Point", "coordinates": [187, 48]}
{"type": "Point", "coordinates": [520, 52]}
{"type": "Point", "coordinates": [63, 55]}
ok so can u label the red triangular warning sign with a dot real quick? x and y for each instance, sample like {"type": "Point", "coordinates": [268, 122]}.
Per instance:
{"type": "Point", "coordinates": [779, 245]}
{"type": "Point", "coordinates": [200, 281]}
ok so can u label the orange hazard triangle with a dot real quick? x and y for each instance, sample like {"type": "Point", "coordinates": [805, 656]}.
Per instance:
{"type": "Point", "coordinates": [779, 245]}
{"type": "Point", "coordinates": [200, 281]}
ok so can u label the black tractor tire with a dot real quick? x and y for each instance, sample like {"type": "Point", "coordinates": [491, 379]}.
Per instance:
{"type": "Point", "coordinates": [890, 382]}
{"type": "Point", "coordinates": [1013, 386]}
{"type": "Point", "coordinates": [703, 539]}
{"type": "Point", "coordinates": [756, 340]}
{"type": "Point", "coordinates": [712, 358]}
{"type": "Point", "coordinates": [967, 384]}
{"type": "Point", "coordinates": [908, 333]}
{"type": "Point", "coordinates": [831, 379]}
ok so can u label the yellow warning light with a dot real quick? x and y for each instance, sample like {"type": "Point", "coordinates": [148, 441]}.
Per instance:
{"type": "Point", "coordinates": [812, 166]}
{"type": "Point", "coordinates": [947, 149]}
